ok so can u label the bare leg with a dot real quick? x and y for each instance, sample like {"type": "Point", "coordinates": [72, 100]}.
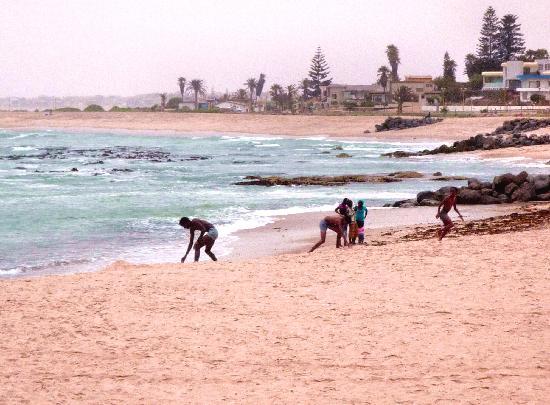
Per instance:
{"type": "Point", "coordinates": [198, 245]}
{"type": "Point", "coordinates": [445, 230]}
{"type": "Point", "coordinates": [209, 242]}
{"type": "Point", "coordinates": [323, 238]}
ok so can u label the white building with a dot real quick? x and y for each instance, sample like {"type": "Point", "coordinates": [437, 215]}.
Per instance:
{"type": "Point", "coordinates": [527, 78]}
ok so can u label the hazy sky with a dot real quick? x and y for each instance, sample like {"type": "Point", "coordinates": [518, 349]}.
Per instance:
{"type": "Point", "coordinates": [126, 47]}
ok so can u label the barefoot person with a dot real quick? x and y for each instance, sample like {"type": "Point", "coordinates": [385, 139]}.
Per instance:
{"type": "Point", "coordinates": [207, 237]}
{"type": "Point", "coordinates": [443, 213]}
{"type": "Point", "coordinates": [335, 223]}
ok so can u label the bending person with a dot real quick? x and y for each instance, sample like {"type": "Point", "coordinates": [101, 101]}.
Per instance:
{"type": "Point", "coordinates": [335, 223]}
{"type": "Point", "coordinates": [207, 237]}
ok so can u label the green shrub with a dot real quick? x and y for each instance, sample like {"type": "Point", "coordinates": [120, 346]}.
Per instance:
{"type": "Point", "coordinates": [349, 105]}
{"type": "Point", "coordinates": [537, 98]}
{"type": "Point", "coordinates": [94, 108]}
{"type": "Point", "coordinates": [67, 109]}
{"type": "Point", "coordinates": [367, 103]}
{"type": "Point", "coordinates": [173, 103]}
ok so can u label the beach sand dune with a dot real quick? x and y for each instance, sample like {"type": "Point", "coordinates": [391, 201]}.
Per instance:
{"type": "Point", "coordinates": [465, 320]}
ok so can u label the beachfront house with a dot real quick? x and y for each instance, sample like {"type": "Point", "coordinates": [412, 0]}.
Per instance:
{"type": "Point", "coordinates": [525, 78]}
{"type": "Point", "coordinates": [337, 94]}
{"type": "Point", "coordinates": [422, 87]}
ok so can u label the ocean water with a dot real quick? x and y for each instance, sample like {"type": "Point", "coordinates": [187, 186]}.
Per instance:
{"type": "Point", "coordinates": [77, 201]}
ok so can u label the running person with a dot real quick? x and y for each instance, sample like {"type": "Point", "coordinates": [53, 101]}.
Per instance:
{"type": "Point", "coordinates": [207, 237]}
{"type": "Point", "coordinates": [335, 223]}
{"type": "Point", "coordinates": [443, 213]}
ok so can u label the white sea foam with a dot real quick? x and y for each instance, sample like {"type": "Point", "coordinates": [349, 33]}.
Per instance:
{"type": "Point", "coordinates": [268, 145]}
{"type": "Point", "coordinates": [10, 272]}
{"type": "Point", "coordinates": [22, 148]}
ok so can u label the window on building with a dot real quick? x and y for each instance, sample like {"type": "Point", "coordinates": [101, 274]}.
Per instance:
{"type": "Point", "coordinates": [526, 70]}
{"type": "Point", "coordinates": [419, 89]}
{"type": "Point", "coordinates": [429, 85]}
{"type": "Point", "coordinates": [334, 96]}
{"type": "Point", "coordinates": [547, 66]}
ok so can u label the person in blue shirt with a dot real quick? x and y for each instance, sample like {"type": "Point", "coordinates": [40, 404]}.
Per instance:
{"type": "Point", "coordinates": [360, 214]}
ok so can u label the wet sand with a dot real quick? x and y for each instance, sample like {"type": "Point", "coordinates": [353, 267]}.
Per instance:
{"type": "Point", "coordinates": [404, 320]}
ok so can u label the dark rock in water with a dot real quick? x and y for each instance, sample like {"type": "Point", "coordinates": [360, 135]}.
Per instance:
{"type": "Point", "coordinates": [194, 157]}
{"type": "Point", "coordinates": [397, 123]}
{"type": "Point", "coordinates": [437, 174]}
{"type": "Point", "coordinates": [467, 196]}
{"type": "Point", "coordinates": [338, 147]}
{"type": "Point", "coordinates": [449, 178]}
{"type": "Point", "coordinates": [543, 197]}
{"type": "Point", "coordinates": [343, 155]}
{"type": "Point", "coordinates": [474, 184]}
{"type": "Point", "coordinates": [405, 203]}
{"type": "Point", "coordinates": [20, 168]}
{"type": "Point", "coordinates": [406, 175]}
{"type": "Point", "coordinates": [487, 199]}
{"type": "Point", "coordinates": [122, 170]}
{"type": "Point", "coordinates": [521, 177]}
{"type": "Point", "coordinates": [325, 152]}
{"type": "Point", "coordinates": [542, 183]}
{"type": "Point", "coordinates": [74, 169]}
{"type": "Point", "coordinates": [500, 182]}
{"type": "Point", "coordinates": [426, 195]}
{"type": "Point", "coordinates": [505, 188]}
{"type": "Point", "coordinates": [524, 193]}
{"type": "Point", "coordinates": [314, 180]}
{"type": "Point", "coordinates": [510, 188]}
{"type": "Point", "coordinates": [429, 203]}
{"type": "Point", "coordinates": [486, 184]}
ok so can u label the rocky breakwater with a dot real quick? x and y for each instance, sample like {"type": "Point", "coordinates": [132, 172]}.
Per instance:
{"type": "Point", "coordinates": [506, 188]}
{"type": "Point", "coordinates": [397, 123]}
{"type": "Point", "coordinates": [509, 135]}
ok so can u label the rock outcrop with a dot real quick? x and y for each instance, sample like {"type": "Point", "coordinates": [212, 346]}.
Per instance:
{"type": "Point", "coordinates": [314, 180]}
{"type": "Point", "coordinates": [506, 136]}
{"type": "Point", "coordinates": [397, 123]}
{"type": "Point", "coordinates": [505, 188]}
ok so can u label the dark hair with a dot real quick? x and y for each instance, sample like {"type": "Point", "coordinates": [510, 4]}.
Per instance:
{"type": "Point", "coordinates": [453, 190]}
{"type": "Point", "coordinates": [184, 221]}
{"type": "Point", "coordinates": [350, 203]}
{"type": "Point", "coordinates": [345, 201]}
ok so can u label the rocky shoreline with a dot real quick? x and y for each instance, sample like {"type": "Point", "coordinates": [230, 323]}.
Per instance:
{"type": "Point", "coordinates": [506, 136]}
{"type": "Point", "coordinates": [397, 123]}
{"type": "Point", "coordinates": [506, 188]}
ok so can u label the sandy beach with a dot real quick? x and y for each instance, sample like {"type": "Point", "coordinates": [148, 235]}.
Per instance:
{"type": "Point", "coordinates": [407, 320]}
{"type": "Point", "coordinates": [289, 125]}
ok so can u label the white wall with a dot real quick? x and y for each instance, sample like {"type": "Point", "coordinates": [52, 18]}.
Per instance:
{"type": "Point", "coordinates": [478, 108]}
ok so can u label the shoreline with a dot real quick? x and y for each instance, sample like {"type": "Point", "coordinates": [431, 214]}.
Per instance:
{"type": "Point", "coordinates": [465, 317]}
{"type": "Point", "coordinates": [192, 124]}
{"type": "Point", "coordinates": [296, 233]}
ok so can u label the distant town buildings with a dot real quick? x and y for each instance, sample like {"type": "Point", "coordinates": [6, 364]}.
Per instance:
{"type": "Point", "coordinates": [526, 78]}
{"type": "Point", "coordinates": [421, 87]}
{"type": "Point", "coordinates": [339, 93]}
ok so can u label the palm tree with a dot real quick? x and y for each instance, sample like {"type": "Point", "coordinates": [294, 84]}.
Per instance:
{"type": "Point", "coordinates": [290, 96]}
{"type": "Point", "coordinates": [251, 84]}
{"type": "Point", "coordinates": [275, 92]}
{"type": "Point", "coordinates": [241, 94]}
{"type": "Point", "coordinates": [162, 101]}
{"type": "Point", "coordinates": [393, 57]}
{"type": "Point", "coordinates": [181, 83]}
{"type": "Point", "coordinates": [402, 94]}
{"type": "Point", "coordinates": [197, 87]}
{"type": "Point", "coordinates": [383, 79]}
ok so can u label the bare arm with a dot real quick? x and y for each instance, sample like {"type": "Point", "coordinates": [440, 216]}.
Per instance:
{"type": "Point", "coordinates": [439, 209]}
{"type": "Point", "coordinates": [456, 209]}
{"type": "Point", "coordinates": [191, 239]}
